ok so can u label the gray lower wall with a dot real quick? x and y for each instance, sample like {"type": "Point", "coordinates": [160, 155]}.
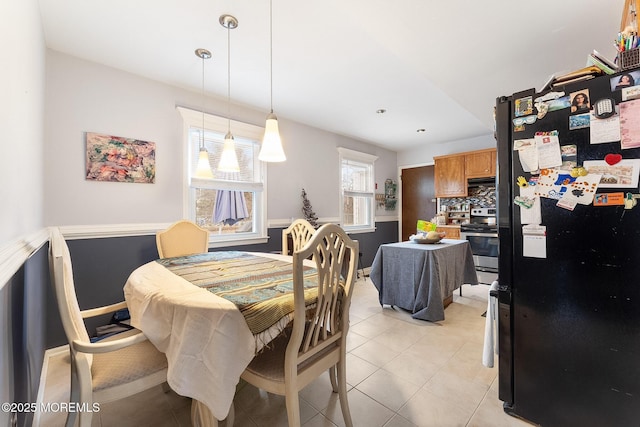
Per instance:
{"type": "Point", "coordinates": [24, 300]}
{"type": "Point", "coordinates": [101, 268]}
{"type": "Point", "coordinates": [30, 318]}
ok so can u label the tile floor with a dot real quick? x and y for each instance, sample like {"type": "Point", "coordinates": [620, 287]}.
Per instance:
{"type": "Point", "coordinates": [401, 373]}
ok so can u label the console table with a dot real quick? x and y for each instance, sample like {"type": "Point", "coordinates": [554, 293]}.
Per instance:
{"type": "Point", "coordinates": [418, 277]}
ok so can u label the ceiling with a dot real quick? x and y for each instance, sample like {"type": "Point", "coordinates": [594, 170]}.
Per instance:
{"type": "Point", "coordinates": [437, 65]}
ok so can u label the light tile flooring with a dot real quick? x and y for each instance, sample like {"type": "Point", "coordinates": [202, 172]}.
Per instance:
{"type": "Point", "coordinates": [401, 373]}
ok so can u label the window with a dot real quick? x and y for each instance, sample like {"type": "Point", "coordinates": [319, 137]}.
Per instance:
{"type": "Point", "coordinates": [231, 206]}
{"type": "Point", "coordinates": [357, 195]}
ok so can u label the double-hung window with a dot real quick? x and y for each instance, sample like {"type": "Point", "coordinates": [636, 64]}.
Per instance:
{"type": "Point", "coordinates": [232, 206]}
{"type": "Point", "coordinates": [357, 191]}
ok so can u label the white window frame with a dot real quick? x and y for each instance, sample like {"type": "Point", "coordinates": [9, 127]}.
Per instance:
{"type": "Point", "coordinates": [346, 154]}
{"type": "Point", "coordinates": [192, 118]}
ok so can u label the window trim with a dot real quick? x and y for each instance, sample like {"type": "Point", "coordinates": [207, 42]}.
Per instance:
{"type": "Point", "coordinates": [348, 154]}
{"type": "Point", "coordinates": [193, 118]}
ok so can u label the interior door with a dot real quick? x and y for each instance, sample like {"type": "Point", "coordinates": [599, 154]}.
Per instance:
{"type": "Point", "coordinates": [418, 198]}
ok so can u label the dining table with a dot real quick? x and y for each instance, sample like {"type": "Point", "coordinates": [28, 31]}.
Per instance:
{"type": "Point", "coordinates": [420, 277]}
{"type": "Point", "coordinates": [211, 314]}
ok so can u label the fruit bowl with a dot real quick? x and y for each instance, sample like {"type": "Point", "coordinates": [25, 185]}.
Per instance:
{"type": "Point", "coordinates": [423, 239]}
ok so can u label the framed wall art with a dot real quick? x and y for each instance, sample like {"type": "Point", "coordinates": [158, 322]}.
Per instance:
{"type": "Point", "coordinates": [119, 159]}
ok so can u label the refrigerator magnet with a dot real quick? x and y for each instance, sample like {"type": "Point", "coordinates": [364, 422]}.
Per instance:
{"type": "Point", "coordinates": [608, 199]}
{"type": "Point", "coordinates": [581, 191]}
{"type": "Point", "coordinates": [542, 108]}
{"type": "Point", "coordinates": [623, 174]}
{"type": "Point", "coordinates": [630, 93]}
{"type": "Point", "coordinates": [630, 200]}
{"type": "Point", "coordinates": [523, 106]}
{"type": "Point", "coordinates": [580, 101]}
{"type": "Point", "coordinates": [579, 121]}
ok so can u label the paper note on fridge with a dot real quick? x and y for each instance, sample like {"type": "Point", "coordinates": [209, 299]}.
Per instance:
{"type": "Point", "coordinates": [549, 154]}
{"type": "Point", "coordinates": [534, 241]}
{"type": "Point", "coordinates": [527, 153]}
{"type": "Point", "coordinates": [532, 215]}
{"type": "Point", "coordinates": [604, 130]}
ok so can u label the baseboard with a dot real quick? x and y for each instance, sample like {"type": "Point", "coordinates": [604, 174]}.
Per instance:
{"type": "Point", "coordinates": [49, 353]}
{"type": "Point", "coordinates": [363, 272]}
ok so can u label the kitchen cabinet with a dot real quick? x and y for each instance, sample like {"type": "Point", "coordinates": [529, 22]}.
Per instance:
{"type": "Point", "coordinates": [451, 231]}
{"type": "Point", "coordinates": [449, 176]}
{"type": "Point", "coordinates": [480, 164]}
{"type": "Point", "coordinates": [452, 172]}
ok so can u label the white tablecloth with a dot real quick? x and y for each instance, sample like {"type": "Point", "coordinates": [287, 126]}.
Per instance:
{"type": "Point", "coordinates": [206, 339]}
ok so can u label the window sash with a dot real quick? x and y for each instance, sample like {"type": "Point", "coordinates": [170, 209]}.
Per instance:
{"type": "Point", "coordinates": [357, 194]}
{"type": "Point", "coordinates": [247, 137]}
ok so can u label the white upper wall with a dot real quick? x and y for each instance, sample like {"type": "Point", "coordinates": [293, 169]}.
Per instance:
{"type": "Point", "coordinates": [84, 97]}
{"type": "Point", "coordinates": [22, 77]}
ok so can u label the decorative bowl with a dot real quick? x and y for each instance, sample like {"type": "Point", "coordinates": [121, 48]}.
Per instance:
{"type": "Point", "coordinates": [421, 239]}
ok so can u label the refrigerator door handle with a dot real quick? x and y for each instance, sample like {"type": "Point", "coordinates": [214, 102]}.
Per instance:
{"type": "Point", "coordinates": [505, 346]}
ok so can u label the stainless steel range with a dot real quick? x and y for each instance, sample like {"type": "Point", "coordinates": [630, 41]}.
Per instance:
{"type": "Point", "coordinates": [482, 234]}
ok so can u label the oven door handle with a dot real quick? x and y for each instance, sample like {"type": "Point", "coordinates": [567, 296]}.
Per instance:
{"type": "Point", "coordinates": [464, 234]}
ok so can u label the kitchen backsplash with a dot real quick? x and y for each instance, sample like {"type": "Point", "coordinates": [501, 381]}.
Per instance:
{"type": "Point", "coordinates": [479, 197]}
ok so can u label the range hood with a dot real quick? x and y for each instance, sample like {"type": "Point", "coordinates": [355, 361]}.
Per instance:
{"type": "Point", "coordinates": [478, 182]}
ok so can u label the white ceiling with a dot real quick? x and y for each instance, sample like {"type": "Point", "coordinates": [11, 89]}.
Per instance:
{"type": "Point", "coordinates": [437, 65]}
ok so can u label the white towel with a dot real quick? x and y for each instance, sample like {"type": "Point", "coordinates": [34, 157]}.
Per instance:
{"type": "Point", "coordinates": [491, 328]}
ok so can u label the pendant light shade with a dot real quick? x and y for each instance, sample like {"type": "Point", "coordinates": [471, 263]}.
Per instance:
{"type": "Point", "coordinates": [203, 169]}
{"type": "Point", "coordinates": [271, 149]}
{"type": "Point", "coordinates": [228, 159]}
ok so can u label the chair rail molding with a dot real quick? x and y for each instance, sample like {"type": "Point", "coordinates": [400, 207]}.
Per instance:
{"type": "Point", "coordinates": [96, 231]}
{"type": "Point", "coordinates": [15, 253]}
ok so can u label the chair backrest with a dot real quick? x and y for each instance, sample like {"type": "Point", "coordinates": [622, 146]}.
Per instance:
{"type": "Point", "coordinates": [335, 256]}
{"type": "Point", "coordinates": [300, 231]}
{"type": "Point", "coordinates": [182, 238]}
{"type": "Point", "coordinates": [62, 279]}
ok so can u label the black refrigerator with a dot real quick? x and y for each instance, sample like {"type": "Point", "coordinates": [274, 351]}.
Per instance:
{"type": "Point", "coordinates": [569, 316]}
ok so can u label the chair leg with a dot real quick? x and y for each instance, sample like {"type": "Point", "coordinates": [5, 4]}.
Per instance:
{"type": "Point", "coordinates": [293, 406]}
{"type": "Point", "coordinates": [74, 395]}
{"type": "Point", "coordinates": [333, 378]}
{"type": "Point", "coordinates": [342, 387]}
{"type": "Point", "coordinates": [85, 419]}
{"type": "Point", "coordinates": [201, 416]}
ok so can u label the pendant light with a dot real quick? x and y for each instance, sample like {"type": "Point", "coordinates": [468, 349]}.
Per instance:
{"type": "Point", "coordinates": [203, 169]}
{"type": "Point", "coordinates": [271, 150]}
{"type": "Point", "coordinates": [228, 160]}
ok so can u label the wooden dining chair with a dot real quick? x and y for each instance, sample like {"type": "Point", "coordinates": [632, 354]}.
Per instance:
{"type": "Point", "coordinates": [300, 231]}
{"type": "Point", "coordinates": [182, 238]}
{"type": "Point", "coordinates": [112, 369]}
{"type": "Point", "coordinates": [317, 340]}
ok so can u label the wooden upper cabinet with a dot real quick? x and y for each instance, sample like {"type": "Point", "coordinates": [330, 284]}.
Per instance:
{"type": "Point", "coordinates": [480, 164]}
{"type": "Point", "coordinates": [449, 176]}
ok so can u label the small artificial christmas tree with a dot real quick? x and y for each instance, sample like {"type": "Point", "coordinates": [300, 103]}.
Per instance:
{"type": "Point", "coordinates": [307, 210]}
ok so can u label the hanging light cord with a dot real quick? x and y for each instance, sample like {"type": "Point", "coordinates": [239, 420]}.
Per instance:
{"type": "Point", "coordinates": [229, 77]}
{"type": "Point", "coordinates": [202, 108]}
{"type": "Point", "coordinates": [271, 52]}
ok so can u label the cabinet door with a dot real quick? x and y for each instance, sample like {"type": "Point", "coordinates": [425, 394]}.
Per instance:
{"type": "Point", "coordinates": [450, 232]}
{"type": "Point", "coordinates": [481, 164]}
{"type": "Point", "coordinates": [450, 180]}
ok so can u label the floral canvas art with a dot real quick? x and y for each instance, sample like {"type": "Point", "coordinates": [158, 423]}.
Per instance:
{"type": "Point", "coordinates": [118, 159]}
